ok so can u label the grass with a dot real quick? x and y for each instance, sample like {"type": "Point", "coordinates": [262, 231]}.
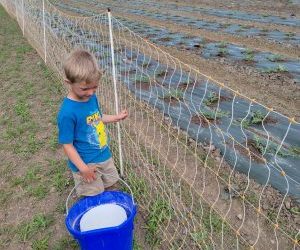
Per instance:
{"type": "Point", "coordinates": [38, 223]}
{"type": "Point", "coordinates": [160, 212]}
{"type": "Point", "coordinates": [30, 191]}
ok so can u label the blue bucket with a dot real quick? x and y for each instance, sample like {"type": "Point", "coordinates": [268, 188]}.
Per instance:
{"type": "Point", "coordinates": [112, 238]}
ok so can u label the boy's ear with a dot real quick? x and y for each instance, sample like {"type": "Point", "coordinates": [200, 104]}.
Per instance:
{"type": "Point", "coordinates": [67, 81]}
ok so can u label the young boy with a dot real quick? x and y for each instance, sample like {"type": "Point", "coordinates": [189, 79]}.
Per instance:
{"type": "Point", "coordinates": [81, 127]}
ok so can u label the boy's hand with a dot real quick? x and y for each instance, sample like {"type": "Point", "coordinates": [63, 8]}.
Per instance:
{"type": "Point", "coordinates": [88, 174]}
{"type": "Point", "coordinates": [122, 115]}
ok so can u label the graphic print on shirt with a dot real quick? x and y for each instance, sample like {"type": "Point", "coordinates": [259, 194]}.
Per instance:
{"type": "Point", "coordinates": [98, 135]}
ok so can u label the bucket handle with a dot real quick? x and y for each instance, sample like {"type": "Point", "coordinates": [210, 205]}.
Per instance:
{"type": "Point", "coordinates": [68, 198]}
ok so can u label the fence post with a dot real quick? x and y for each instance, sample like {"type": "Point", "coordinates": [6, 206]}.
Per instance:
{"type": "Point", "coordinates": [16, 10]}
{"type": "Point", "coordinates": [23, 21]}
{"type": "Point", "coordinates": [44, 24]}
{"type": "Point", "coordinates": [115, 89]}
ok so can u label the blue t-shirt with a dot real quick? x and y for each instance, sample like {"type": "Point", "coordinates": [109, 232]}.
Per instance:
{"type": "Point", "coordinates": [80, 123]}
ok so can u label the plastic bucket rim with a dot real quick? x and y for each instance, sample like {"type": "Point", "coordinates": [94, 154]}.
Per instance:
{"type": "Point", "coordinates": [102, 230]}
{"type": "Point", "coordinates": [96, 231]}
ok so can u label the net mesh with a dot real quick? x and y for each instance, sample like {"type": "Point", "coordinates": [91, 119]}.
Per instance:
{"type": "Point", "coordinates": [209, 167]}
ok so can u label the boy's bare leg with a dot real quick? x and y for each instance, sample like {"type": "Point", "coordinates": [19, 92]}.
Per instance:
{"type": "Point", "coordinates": [114, 187]}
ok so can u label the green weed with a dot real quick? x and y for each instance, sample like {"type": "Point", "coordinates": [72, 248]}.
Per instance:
{"type": "Point", "coordinates": [39, 191]}
{"type": "Point", "coordinates": [159, 213]}
{"type": "Point", "coordinates": [66, 243]}
{"type": "Point", "coordinates": [57, 169]}
{"type": "Point", "coordinates": [200, 238]}
{"type": "Point", "coordinates": [39, 223]}
{"type": "Point", "coordinates": [136, 246]}
{"type": "Point", "coordinates": [41, 244]}
{"type": "Point", "coordinates": [22, 110]}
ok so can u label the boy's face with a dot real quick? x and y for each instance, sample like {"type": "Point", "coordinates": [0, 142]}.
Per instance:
{"type": "Point", "coordinates": [83, 91]}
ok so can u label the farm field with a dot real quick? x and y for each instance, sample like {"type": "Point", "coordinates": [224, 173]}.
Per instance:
{"type": "Point", "coordinates": [211, 147]}
{"type": "Point", "coordinates": [238, 44]}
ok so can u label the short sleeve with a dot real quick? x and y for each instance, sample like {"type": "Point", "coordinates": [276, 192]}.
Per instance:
{"type": "Point", "coordinates": [66, 127]}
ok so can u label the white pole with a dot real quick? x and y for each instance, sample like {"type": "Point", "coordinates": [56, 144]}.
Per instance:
{"type": "Point", "coordinates": [115, 90]}
{"type": "Point", "coordinates": [23, 24]}
{"type": "Point", "coordinates": [16, 9]}
{"type": "Point", "coordinates": [44, 24]}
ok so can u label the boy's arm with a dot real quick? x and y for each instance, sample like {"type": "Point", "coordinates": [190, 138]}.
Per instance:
{"type": "Point", "coordinates": [114, 118]}
{"type": "Point", "coordinates": [88, 173]}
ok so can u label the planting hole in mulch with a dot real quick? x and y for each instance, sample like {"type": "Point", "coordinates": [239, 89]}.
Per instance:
{"type": "Point", "coordinates": [202, 121]}
{"type": "Point", "coordinates": [255, 153]}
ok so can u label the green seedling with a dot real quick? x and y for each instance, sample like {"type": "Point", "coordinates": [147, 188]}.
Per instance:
{"type": "Point", "coordinates": [212, 115]}
{"type": "Point", "coordinates": [161, 73]}
{"type": "Point", "coordinates": [143, 79]}
{"type": "Point", "coordinates": [294, 151]}
{"type": "Point", "coordinates": [174, 94]}
{"type": "Point", "coordinates": [279, 69]}
{"type": "Point", "coordinates": [257, 117]}
{"type": "Point", "coordinates": [275, 58]}
{"type": "Point", "coordinates": [295, 210]}
{"type": "Point", "coordinates": [211, 99]}
{"type": "Point", "coordinates": [222, 45]}
{"type": "Point", "coordinates": [249, 57]}
{"type": "Point", "coordinates": [260, 145]}
{"type": "Point", "coordinates": [145, 64]}
{"type": "Point", "coordinates": [222, 52]}
{"type": "Point", "coordinates": [290, 35]}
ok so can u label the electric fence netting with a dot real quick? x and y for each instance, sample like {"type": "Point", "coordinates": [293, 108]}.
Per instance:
{"type": "Point", "coordinates": [209, 167]}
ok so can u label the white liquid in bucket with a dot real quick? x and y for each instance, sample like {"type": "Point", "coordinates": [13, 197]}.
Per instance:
{"type": "Point", "coordinates": [103, 216]}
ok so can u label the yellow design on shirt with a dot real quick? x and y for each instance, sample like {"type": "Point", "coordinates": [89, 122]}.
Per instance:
{"type": "Point", "coordinates": [100, 127]}
{"type": "Point", "coordinates": [95, 121]}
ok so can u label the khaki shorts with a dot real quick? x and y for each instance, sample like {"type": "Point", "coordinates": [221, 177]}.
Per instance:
{"type": "Point", "coordinates": [108, 177]}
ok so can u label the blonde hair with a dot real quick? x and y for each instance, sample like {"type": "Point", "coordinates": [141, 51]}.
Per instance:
{"type": "Point", "coordinates": [81, 66]}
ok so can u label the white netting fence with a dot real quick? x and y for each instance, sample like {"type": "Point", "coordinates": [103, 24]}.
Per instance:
{"type": "Point", "coordinates": [209, 167]}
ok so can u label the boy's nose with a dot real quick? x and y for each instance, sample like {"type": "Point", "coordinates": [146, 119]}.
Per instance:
{"type": "Point", "coordinates": [91, 92]}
